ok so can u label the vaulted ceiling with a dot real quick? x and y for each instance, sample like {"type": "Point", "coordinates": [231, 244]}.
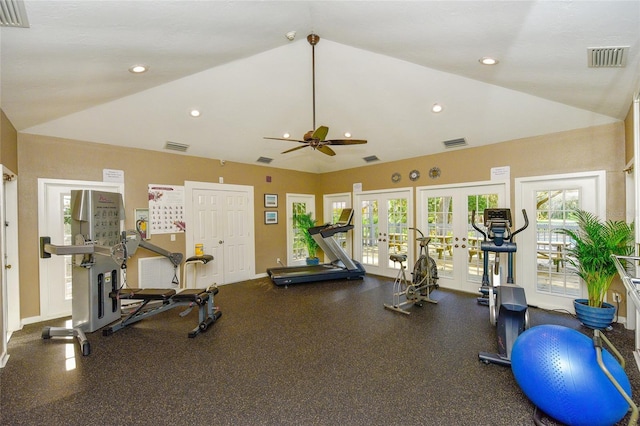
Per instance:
{"type": "Point", "coordinates": [379, 68]}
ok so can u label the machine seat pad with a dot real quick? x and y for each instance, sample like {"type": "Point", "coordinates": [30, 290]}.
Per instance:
{"type": "Point", "coordinates": [152, 293]}
{"type": "Point", "coordinates": [203, 259]}
{"type": "Point", "coordinates": [194, 294]}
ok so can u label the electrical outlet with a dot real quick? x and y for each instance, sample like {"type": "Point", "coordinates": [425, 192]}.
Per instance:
{"type": "Point", "coordinates": [278, 260]}
{"type": "Point", "coordinates": [616, 297]}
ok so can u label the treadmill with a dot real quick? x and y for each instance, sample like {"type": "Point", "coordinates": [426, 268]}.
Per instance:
{"type": "Point", "coordinates": [341, 266]}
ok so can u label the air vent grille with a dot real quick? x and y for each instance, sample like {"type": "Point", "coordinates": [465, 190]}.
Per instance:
{"type": "Point", "coordinates": [371, 159]}
{"type": "Point", "coordinates": [175, 146]}
{"type": "Point", "coordinates": [607, 57]}
{"type": "Point", "coordinates": [265, 160]}
{"type": "Point", "coordinates": [13, 14]}
{"type": "Point", "coordinates": [455, 143]}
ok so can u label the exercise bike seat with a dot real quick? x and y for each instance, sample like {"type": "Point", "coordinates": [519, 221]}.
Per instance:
{"type": "Point", "coordinates": [398, 257]}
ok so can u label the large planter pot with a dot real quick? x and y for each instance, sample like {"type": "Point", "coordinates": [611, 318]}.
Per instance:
{"type": "Point", "coordinates": [596, 318]}
{"type": "Point", "coordinates": [313, 261]}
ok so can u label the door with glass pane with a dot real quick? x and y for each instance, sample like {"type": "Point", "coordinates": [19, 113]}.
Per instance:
{"type": "Point", "coordinates": [444, 214]}
{"type": "Point", "coordinates": [54, 220]}
{"type": "Point", "coordinates": [382, 221]}
{"type": "Point", "coordinates": [297, 249]}
{"type": "Point", "coordinates": [549, 281]}
{"type": "Point", "coordinates": [333, 206]}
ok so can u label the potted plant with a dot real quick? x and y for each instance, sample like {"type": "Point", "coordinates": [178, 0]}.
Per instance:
{"type": "Point", "coordinates": [594, 241]}
{"type": "Point", "coordinates": [304, 221]}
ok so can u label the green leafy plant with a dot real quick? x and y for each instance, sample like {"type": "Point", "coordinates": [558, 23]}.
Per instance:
{"type": "Point", "coordinates": [593, 244]}
{"type": "Point", "coordinates": [304, 221]}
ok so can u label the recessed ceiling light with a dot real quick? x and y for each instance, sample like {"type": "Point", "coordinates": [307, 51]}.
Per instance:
{"type": "Point", "coordinates": [488, 60]}
{"type": "Point", "coordinates": [436, 108]}
{"type": "Point", "coordinates": [138, 69]}
{"type": "Point", "coordinates": [194, 113]}
{"type": "Point", "coordinates": [347, 134]}
{"type": "Point", "coordinates": [286, 135]}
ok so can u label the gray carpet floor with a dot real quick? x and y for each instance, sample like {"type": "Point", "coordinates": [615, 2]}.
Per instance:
{"type": "Point", "coordinates": [325, 353]}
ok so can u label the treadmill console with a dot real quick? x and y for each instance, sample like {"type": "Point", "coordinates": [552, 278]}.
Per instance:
{"type": "Point", "coordinates": [342, 225]}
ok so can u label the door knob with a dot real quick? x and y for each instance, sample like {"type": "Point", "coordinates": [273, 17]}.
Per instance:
{"type": "Point", "coordinates": [221, 241]}
{"type": "Point", "coordinates": [7, 266]}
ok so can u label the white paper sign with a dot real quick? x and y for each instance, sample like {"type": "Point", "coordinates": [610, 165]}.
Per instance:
{"type": "Point", "coordinates": [501, 173]}
{"type": "Point", "coordinates": [357, 187]}
{"type": "Point", "coordinates": [111, 175]}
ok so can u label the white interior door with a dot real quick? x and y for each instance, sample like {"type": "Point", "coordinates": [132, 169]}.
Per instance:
{"type": "Point", "coordinates": [381, 222]}
{"type": "Point", "coordinates": [444, 214]}
{"type": "Point", "coordinates": [220, 217]}
{"type": "Point", "coordinates": [9, 285]}
{"type": "Point", "coordinates": [54, 198]}
{"type": "Point", "coordinates": [549, 282]}
{"type": "Point", "coordinates": [10, 265]}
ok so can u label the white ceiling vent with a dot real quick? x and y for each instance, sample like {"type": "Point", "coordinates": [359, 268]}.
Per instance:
{"type": "Point", "coordinates": [607, 57]}
{"type": "Point", "coordinates": [13, 14]}
{"type": "Point", "coordinates": [175, 146]}
{"type": "Point", "coordinates": [455, 143]}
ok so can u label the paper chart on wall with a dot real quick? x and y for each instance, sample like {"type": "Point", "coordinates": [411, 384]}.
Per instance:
{"type": "Point", "coordinates": [166, 209]}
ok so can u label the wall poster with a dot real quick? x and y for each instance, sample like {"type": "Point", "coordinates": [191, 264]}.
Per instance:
{"type": "Point", "coordinates": [166, 209]}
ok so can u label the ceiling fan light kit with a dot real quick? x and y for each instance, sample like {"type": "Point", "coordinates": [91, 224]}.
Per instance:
{"type": "Point", "coordinates": [316, 139]}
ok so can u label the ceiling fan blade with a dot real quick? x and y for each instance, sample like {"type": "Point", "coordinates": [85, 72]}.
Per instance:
{"type": "Point", "coordinates": [293, 149]}
{"type": "Point", "coordinates": [326, 150]}
{"type": "Point", "coordinates": [320, 133]}
{"type": "Point", "coordinates": [346, 141]}
{"type": "Point", "coordinates": [286, 139]}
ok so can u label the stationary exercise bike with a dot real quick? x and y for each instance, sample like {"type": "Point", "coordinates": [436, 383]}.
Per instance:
{"type": "Point", "coordinates": [507, 302]}
{"type": "Point", "coordinates": [424, 280]}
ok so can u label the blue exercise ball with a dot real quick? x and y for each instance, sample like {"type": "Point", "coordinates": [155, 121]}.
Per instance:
{"type": "Point", "coordinates": [557, 369]}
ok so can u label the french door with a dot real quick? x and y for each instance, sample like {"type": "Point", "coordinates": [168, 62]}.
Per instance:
{"type": "Point", "coordinates": [444, 214]}
{"type": "Point", "coordinates": [382, 220]}
{"type": "Point", "coordinates": [548, 280]}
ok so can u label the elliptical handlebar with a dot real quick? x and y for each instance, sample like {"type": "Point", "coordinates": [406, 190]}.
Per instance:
{"type": "Point", "coordinates": [526, 224]}
{"type": "Point", "coordinates": [510, 236]}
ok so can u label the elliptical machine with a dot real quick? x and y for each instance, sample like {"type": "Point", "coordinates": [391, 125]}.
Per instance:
{"type": "Point", "coordinates": [507, 302]}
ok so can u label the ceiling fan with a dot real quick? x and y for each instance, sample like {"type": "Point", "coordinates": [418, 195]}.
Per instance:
{"type": "Point", "coordinates": [316, 138]}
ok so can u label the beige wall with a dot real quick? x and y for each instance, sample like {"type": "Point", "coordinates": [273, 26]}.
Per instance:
{"type": "Point", "coordinates": [8, 144]}
{"type": "Point", "coordinates": [594, 148]}
{"type": "Point", "coordinates": [47, 157]}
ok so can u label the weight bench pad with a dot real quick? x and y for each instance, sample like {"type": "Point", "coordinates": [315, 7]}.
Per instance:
{"type": "Point", "coordinates": [147, 293]}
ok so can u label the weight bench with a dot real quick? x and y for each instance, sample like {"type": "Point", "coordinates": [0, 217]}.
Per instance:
{"type": "Point", "coordinates": [169, 299]}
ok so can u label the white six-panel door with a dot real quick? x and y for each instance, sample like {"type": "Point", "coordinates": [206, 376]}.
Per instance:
{"type": "Point", "coordinates": [220, 217]}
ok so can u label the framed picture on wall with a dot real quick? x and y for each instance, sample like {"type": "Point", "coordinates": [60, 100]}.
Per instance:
{"type": "Point", "coordinates": [270, 218]}
{"type": "Point", "coordinates": [271, 200]}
